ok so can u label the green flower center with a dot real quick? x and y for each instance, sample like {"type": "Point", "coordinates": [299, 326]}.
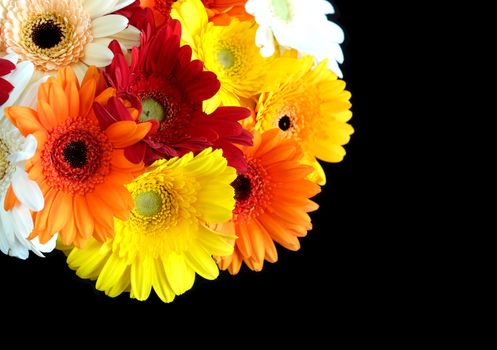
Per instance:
{"type": "Point", "coordinates": [226, 58]}
{"type": "Point", "coordinates": [152, 110]}
{"type": "Point", "coordinates": [148, 203]}
{"type": "Point", "coordinates": [282, 9]}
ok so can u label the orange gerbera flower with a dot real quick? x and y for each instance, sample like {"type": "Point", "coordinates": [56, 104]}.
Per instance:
{"type": "Point", "coordinates": [79, 165]}
{"type": "Point", "coordinates": [272, 202]}
{"type": "Point", "coordinates": [221, 11]}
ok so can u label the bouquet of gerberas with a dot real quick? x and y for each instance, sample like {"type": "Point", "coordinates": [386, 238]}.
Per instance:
{"type": "Point", "coordinates": [152, 140]}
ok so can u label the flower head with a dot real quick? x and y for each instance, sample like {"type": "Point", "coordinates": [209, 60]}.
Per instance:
{"type": "Point", "coordinates": [18, 194]}
{"type": "Point", "coordinates": [310, 106]}
{"type": "Point", "coordinates": [79, 166]}
{"type": "Point", "coordinates": [228, 51]}
{"type": "Point", "coordinates": [166, 240]}
{"type": "Point", "coordinates": [301, 25]}
{"type": "Point", "coordinates": [169, 89]}
{"type": "Point", "coordinates": [272, 202]}
{"type": "Point", "coordinates": [54, 34]}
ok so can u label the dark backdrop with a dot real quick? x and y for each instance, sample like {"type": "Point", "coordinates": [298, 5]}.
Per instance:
{"type": "Point", "coordinates": [344, 268]}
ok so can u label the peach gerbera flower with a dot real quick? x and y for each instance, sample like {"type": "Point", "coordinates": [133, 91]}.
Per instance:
{"type": "Point", "coordinates": [53, 34]}
{"type": "Point", "coordinates": [79, 165]}
{"type": "Point", "coordinates": [272, 202]}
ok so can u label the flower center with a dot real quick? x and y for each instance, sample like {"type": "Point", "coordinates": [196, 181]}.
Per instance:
{"type": "Point", "coordinates": [282, 9]}
{"type": "Point", "coordinates": [46, 33]}
{"type": "Point", "coordinates": [226, 58]}
{"type": "Point", "coordinates": [252, 192]}
{"type": "Point", "coordinates": [4, 162]}
{"type": "Point", "coordinates": [242, 187]}
{"type": "Point", "coordinates": [285, 123]}
{"type": "Point", "coordinates": [151, 110]}
{"type": "Point", "coordinates": [155, 208]}
{"type": "Point", "coordinates": [76, 156]}
{"type": "Point", "coordinates": [75, 153]}
{"type": "Point", "coordinates": [148, 203]}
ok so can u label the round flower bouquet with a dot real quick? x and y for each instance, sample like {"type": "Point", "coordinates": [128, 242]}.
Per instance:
{"type": "Point", "coordinates": [152, 141]}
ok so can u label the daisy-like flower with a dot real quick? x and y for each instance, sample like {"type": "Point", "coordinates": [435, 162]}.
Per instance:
{"type": "Point", "coordinates": [272, 202]}
{"type": "Point", "coordinates": [221, 11]}
{"type": "Point", "coordinates": [79, 165]}
{"type": "Point", "coordinates": [298, 24]}
{"type": "Point", "coordinates": [169, 89]}
{"type": "Point", "coordinates": [228, 51]}
{"type": "Point", "coordinates": [18, 195]}
{"type": "Point", "coordinates": [311, 106]}
{"type": "Point", "coordinates": [54, 34]}
{"type": "Point", "coordinates": [14, 77]}
{"type": "Point", "coordinates": [166, 239]}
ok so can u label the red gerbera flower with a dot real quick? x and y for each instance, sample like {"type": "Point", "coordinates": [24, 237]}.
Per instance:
{"type": "Point", "coordinates": [5, 87]}
{"type": "Point", "coordinates": [167, 87]}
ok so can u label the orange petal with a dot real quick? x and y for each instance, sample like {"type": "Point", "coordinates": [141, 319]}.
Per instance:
{"type": "Point", "coordinates": [86, 97]}
{"type": "Point", "coordinates": [278, 233]}
{"type": "Point", "coordinates": [10, 199]}
{"type": "Point", "coordinates": [83, 217]}
{"type": "Point", "coordinates": [243, 242]}
{"type": "Point", "coordinates": [25, 119]}
{"type": "Point", "coordinates": [126, 133]}
{"type": "Point", "coordinates": [47, 115]}
{"type": "Point", "coordinates": [236, 263]}
{"type": "Point", "coordinates": [111, 198]}
{"type": "Point", "coordinates": [67, 77]}
{"type": "Point", "coordinates": [72, 95]}
{"type": "Point", "coordinates": [41, 218]}
{"type": "Point", "coordinates": [69, 233]}
{"type": "Point", "coordinates": [58, 102]}
{"type": "Point", "coordinates": [104, 220]}
{"type": "Point", "coordinates": [60, 214]}
{"type": "Point", "coordinates": [105, 95]}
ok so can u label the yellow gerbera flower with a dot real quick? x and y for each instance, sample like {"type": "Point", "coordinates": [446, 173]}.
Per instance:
{"type": "Point", "coordinates": [228, 51]}
{"type": "Point", "coordinates": [166, 239]}
{"type": "Point", "coordinates": [311, 106]}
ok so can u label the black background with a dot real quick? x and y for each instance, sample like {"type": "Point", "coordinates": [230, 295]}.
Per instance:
{"type": "Point", "coordinates": [345, 270]}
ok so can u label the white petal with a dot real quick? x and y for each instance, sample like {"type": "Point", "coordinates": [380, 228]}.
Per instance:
{"type": "Point", "coordinates": [44, 248]}
{"type": "Point", "coordinates": [265, 40]}
{"type": "Point", "coordinates": [80, 70]}
{"type": "Point", "coordinates": [29, 97]}
{"type": "Point", "coordinates": [108, 25]}
{"type": "Point", "coordinates": [28, 152]}
{"type": "Point", "coordinates": [130, 37]}
{"type": "Point", "coordinates": [19, 78]}
{"type": "Point", "coordinates": [6, 230]}
{"type": "Point", "coordinates": [12, 57]}
{"type": "Point", "coordinates": [97, 8]}
{"type": "Point", "coordinates": [23, 223]}
{"type": "Point", "coordinates": [97, 55]}
{"type": "Point", "coordinates": [26, 190]}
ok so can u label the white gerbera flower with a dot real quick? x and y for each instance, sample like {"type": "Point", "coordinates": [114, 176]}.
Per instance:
{"type": "Point", "coordinates": [53, 34]}
{"type": "Point", "coordinates": [18, 194]}
{"type": "Point", "coordinates": [298, 24]}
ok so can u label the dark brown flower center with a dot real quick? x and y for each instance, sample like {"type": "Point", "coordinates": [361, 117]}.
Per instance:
{"type": "Point", "coordinates": [285, 123]}
{"type": "Point", "coordinates": [75, 153]}
{"type": "Point", "coordinates": [242, 187]}
{"type": "Point", "coordinates": [47, 34]}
